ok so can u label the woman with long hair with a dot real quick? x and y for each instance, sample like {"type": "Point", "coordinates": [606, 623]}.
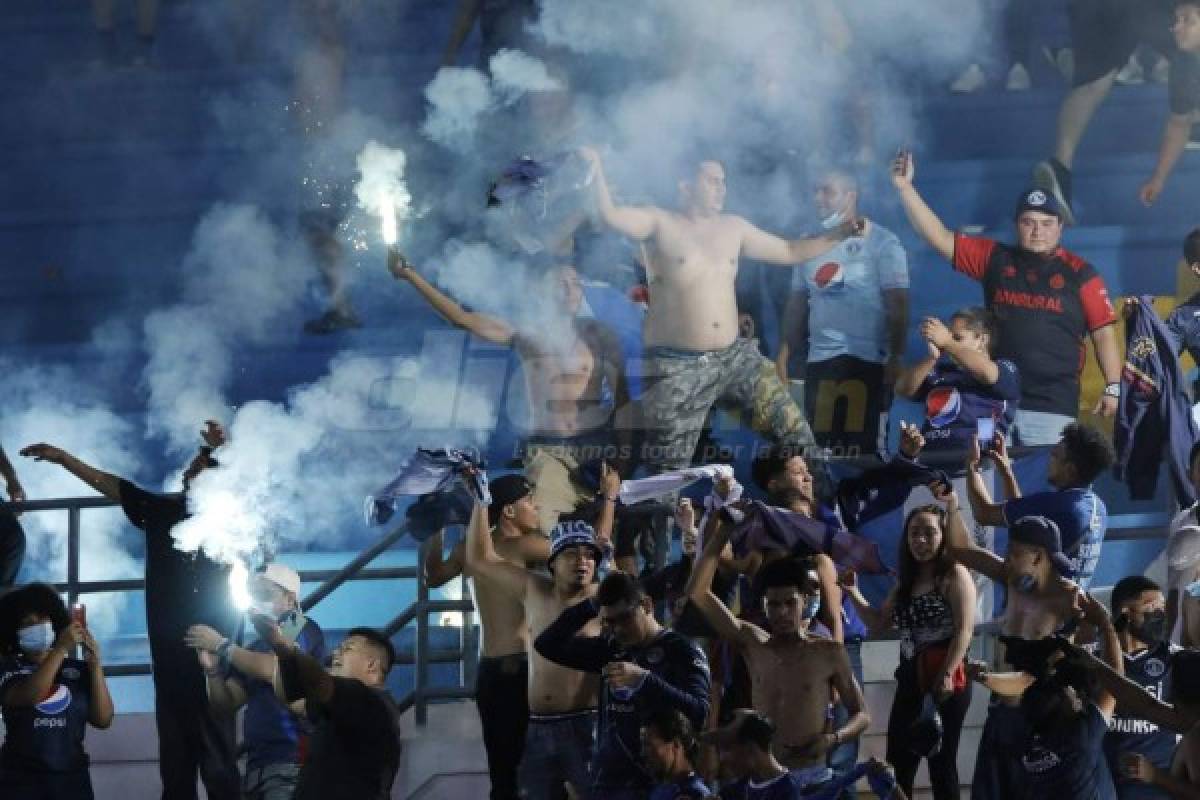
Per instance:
{"type": "Point", "coordinates": [47, 696]}
{"type": "Point", "coordinates": [933, 607]}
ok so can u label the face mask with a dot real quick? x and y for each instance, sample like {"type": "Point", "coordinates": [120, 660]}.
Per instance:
{"type": "Point", "coordinates": [833, 220]}
{"type": "Point", "coordinates": [1153, 630]}
{"type": "Point", "coordinates": [36, 638]}
{"type": "Point", "coordinates": [811, 607]}
{"type": "Point", "coordinates": [1025, 583]}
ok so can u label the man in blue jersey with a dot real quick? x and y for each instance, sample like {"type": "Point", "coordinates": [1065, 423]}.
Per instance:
{"type": "Point", "coordinates": [670, 750]}
{"type": "Point", "coordinates": [847, 321]}
{"type": "Point", "coordinates": [274, 732]}
{"type": "Point", "coordinates": [646, 669]}
{"type": "Point", "coordinates": [1080, 456]}
{"type": "Point", "coordinates": [1140, 617]}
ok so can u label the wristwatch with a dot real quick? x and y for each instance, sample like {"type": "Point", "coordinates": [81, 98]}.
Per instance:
{"type": "Point", "coordinates": [1112, 390]}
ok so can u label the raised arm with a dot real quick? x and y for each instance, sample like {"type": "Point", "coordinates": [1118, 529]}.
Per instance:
{"type": "Point", "coordinates": [300, 675]}
{"type": "Point", "coordinates": [100, 708]}
{"type": "Point", "coordinates": [960, 544]}
{"type": "Point", "coordinates": [926, 223]}
{"type": "Point", "coordinates": [985, 511]}
{"type": "Point", "coordinates": [638, 223]}
{"type": "Point", "coordinates": [103, 482]}
{"type": "Point", "coordinates": [910, 379]}
{"type": "Point", "coordinates": [770, 249]}
{"type": "Point", "coordinates": [562, 642]}
{"type": "Point", "coordinates": [485, 327]}
{"type": "Point", "coordinates": [440, 569]}
{"type": "Point", "coordinates": [12, 486]}
{"type": "Point", "coordinates": [464, 21]}
{"type": "Point", "coordinates": [482, 559]}
{"type": "Point", "coordinates": [831, 596]}
{"type": "Point", "coordinates": [1095, 612]}
{"type": "Point", "coordinates": [878, 620]}
{"type": "Point", "coordinates": [977, 364]}
{"type": "Point", "coordinates": [699, 591]}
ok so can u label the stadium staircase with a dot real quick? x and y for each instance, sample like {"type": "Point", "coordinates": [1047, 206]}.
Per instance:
{"type": "Point", "coordinates": [106, 173]}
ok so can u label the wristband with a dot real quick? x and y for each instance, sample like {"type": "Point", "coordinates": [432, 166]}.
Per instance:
{"type": "Point", "coordinates": [1112, 390]}
{"type": "Point", "coordinates": [223, 653]}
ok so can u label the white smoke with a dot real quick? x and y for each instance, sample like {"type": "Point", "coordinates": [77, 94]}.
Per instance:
{"type": "Point", "coordinates": [46, 404]}
{"type": "Point", "coordinates": [381, 189]}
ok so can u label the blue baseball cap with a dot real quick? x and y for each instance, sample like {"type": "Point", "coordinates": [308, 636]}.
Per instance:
{"type": "Point", "coordinates": [1038, 200]}
{"type": "Point", "coordinates": [1041, 532]}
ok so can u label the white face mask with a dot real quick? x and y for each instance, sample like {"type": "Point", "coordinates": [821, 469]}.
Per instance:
{"type": "Point", "coordinates": [833, 220]}
{"type": "Point", "coordinates": [36, 638]}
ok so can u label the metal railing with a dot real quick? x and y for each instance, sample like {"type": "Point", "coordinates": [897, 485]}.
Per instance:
{"type": "Point", "coordinates": [356, 570]}
{"type": "Point", "coordinates": [1121, 527]}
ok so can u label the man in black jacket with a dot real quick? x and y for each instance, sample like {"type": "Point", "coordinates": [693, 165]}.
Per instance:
{"type": "Point", "coordinates": [181, 589]}
{"type": "Point", "coordinates": [646, 668]}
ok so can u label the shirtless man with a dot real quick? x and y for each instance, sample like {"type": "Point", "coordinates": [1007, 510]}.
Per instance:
{"type": "Point", "coordinates": [570, 424]}
{"type": "Point", "coordinates": [1040, 603]}
{"type": "Point", "coordinates": [562, 701]}
{"type": "Point", "coordinates": [694, 357]}
{"type": "Point", "coordinates": [793, 676]}
{"type": "Point", "coordinates": [502, 683]}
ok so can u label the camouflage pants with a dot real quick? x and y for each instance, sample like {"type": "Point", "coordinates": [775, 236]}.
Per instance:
{"type": "Point", "coordinates": [683, 386]}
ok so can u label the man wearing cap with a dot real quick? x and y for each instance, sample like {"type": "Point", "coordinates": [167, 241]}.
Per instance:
{"type": "Point", "coordinates": [562, 701]}
{"type": "Point", "coordinates": [1041, 603]}
{"type": "Point", "coordinates": [501, 684]}
{"type": "Point", "coordinates": [274, 733]}
{"type": "Point", "coordinates": [1045, 298]}
{"type": "Point", "coordinates": [645, 668]}
{"type": "Point", "coordinates": [1080, 456]}
{"type": "Point", "coordinates": [776, 655]}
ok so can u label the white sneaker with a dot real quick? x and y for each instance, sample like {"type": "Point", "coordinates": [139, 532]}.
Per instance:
{"type": "Point", "coordinates": [1018, 79]}
{"type": "Point", "coordinates": [972, 80]}
{"type": "Point", "coordinates": [1161, 71]}
{"type": "Point", "coordinates": [1132, 73]}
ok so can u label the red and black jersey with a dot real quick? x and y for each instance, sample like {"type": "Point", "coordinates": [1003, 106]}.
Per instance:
{"type": "Point", "coordinates": [1044, 305]}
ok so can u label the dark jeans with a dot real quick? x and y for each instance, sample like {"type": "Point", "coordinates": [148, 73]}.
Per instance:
{"type": "Point", "coordinates": [906, 707]}
{"type": "Point", "coordinates": [192, 738]}
{"type": "Point", "coordinates": [16, 785]}
{"type": "Point", "coordinates": [502, 697]}
{"type": "Point", "coordinates": [845, 757]}
{"type": "Point", "coordinates": [12, 548]}
{"type": "Point", "coordinates": [558, 750]}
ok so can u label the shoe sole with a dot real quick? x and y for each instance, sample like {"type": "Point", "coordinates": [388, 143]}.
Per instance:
{"type": "Point", "coordinates": [1045, 178]}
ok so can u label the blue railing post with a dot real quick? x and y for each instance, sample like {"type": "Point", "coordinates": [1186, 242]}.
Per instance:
{"type": "Point", "coordinates": [421, 678]}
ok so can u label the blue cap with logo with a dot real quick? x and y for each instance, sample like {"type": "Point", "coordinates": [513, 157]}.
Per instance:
{"type": "Point", "coordinates": [1038, 200]}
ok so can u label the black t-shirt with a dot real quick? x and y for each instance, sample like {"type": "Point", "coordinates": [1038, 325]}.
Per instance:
{"type": "Point", "coordinates": [182, 589]}
{"type": "Point", "coordinates": [356, 746]}
{"type": "Point", "coordinates": [1183, 89]}
{"type": "Point", "coordinates": [1044, 307]}
{"type": "Point", "coordinates": [48, 736]}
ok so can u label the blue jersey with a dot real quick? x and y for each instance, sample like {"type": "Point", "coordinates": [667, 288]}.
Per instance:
{"type": "Point", "coordinates": [48, 736]}
{"type": "Point", "coordinates": [1150, 669]}
{"type": "Point", "coordinates": [1070, 764]}
{"type": "Point", "coordinates": [689, 788]}
{"type": "Point", "coordinates": [1081, 517]}
{"type": "Point", "coordinates": [784, 787]}
{"type": "Point", "coordinates": [272, 734]}
{"type": "Point", "coordinates": [955, 402]}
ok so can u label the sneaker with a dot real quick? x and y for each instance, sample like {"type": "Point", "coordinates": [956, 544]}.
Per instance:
{"type": "Point", "coordinates": [971, 81]}
{"type": "Point", "coordinates": [1051, 176]}
{"type": "Point", "coordinates": [1132, 73]}
{"type": "Point", "coordinates": [1018, 79]}
{"type": "Point", "coordinates": [1161, 71]}
{"type": "Point", "coordinates": [332, 321]}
